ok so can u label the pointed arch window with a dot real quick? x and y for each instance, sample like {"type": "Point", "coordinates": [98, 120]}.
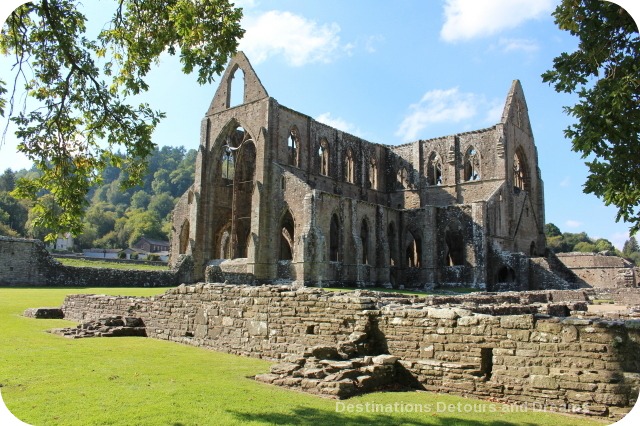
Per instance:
{"type": "Point", "coordinates": [402, 178]}
{"type": "Point", "coordinates": [520, 178]}
{"type": "Point", "coordinates": [349, 169]}
{"type": "Point", "coordinates": [471, 165]}
{"type": "Point", "coordinates": [391, 237]}
{"type": "Point", "coordinates": [373, 173]}
{"type": "Point", "coordinates": [454, 246]}
{"type": "Point", "coordinates": [364, 238]}
{"type": "Point", "coordinates": [414, 251]}
{"type": "Point", "coordinates": [286, 236]}
{"type": "Point", "coordinates": [235, 93]}
{"type": "Point", "coordinates": [334, 239]}
{"type": "Point", "coordinates": [293, 148]}
{"type": "Point", "coordinates": [228, 164]}
{"type": "Point", "coordinates": [323, 157]}
{"type": "Point", "coordinates": [434, 169]}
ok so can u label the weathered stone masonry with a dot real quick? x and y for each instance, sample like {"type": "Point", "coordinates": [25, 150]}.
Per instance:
{"type": "Point", "coordinates": [26, 262]}
{"type": "Point", "coordinates": [503, 346]}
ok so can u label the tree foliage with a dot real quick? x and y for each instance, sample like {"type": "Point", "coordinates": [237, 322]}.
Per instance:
{"type": "Point", "coordinates": [81, 87]}
{"type": "Point", "coordinates": [605, 73]}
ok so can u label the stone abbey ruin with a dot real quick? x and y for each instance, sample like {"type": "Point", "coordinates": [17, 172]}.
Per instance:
{"type": "Point", "coordinates": [281, 196]}
{"type": "Point", "coordinates": [282, 203]}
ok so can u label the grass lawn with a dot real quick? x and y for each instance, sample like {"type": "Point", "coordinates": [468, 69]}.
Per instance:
{"type": "Point", "coordinates": [50, 380]}
{"type": "Point", "coordinates": [113, 265]}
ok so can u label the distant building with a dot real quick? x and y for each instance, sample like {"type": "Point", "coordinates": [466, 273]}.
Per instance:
{"type": "Point", "coordinates": [101, 253]}
{"type": "Point", "coordinates": [63, 242]}
{"type": "Point", "coordinates": [152, 246]}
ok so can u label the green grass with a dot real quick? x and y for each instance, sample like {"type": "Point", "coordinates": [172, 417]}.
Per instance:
{"type": "Point", "coordinates": [50, 380]}
{"type": "Point", "coordinates": [113, 265]}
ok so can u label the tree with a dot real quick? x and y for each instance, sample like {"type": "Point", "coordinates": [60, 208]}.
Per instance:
{"type": "Point", "coordinates": [602, 244]}
{"type": "Point", "coordinates": [630, 246]}
{"type": "Point", "coordinates": [8, 181]}
{"type": "Point", "coordinates": [81, 87]}
{"type": "Point", "coordinates": [551, 230]}
{"type": "Point", "coordinates": [605, 73]}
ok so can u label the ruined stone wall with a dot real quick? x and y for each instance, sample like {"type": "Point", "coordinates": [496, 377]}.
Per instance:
{"type": "Point", "coordinates": [506, 346]}
{"type": "Point", "coordinates": [599, 270]}
{"type": "Point", "coordinates": [25, 262]}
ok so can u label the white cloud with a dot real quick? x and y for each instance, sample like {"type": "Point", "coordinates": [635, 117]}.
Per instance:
{"type": "Point", "coordinates": [508, 45]}
{"type": "Point", "coordinates": [573, 223]}
{"type": "Point", "coordinates": [440, 106]}
{"type": "Point", "coordinates": [566, 182]}
{"type": "Point", "coordinates": [337, 123]}
{"type": "Point", "coordinates": [467, 19]}
{"type": "Point", "coordinates": [301, 41]}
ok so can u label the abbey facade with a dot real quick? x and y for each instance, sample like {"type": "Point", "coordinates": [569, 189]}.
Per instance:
{"type": "Point", "coordinates": [280, 197]}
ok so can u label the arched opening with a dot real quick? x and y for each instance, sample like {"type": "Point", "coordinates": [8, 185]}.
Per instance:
{"type": "Point", "coordinates": [334, 239]}
{"type": "Point", "coordinates": [506, 275]}
{"type": "Point", "coordinates": [454, 250]}
{"type": "Point", "coordinates": [402, 178]}
{"type": "Point", "coordinates": [532, 249]}
{"type": "Point", "coordinates": [286, 236]}
{"type": "Point", "coordinates": [349, 170]}
{"type": "Point", "coordinates": [224, 251]}
{"type": "Point", "coordinates": [184, 237]}
{"type": "Point", "coordinates": [323, 157]}
{"type": "Point", "coordinates": [242, 194]}
{"type": "Point", "coordinates": [364, 238]}
{"type": "Point", "coordinates": [236, 88]}
{"type": "Point", "coordinates": [434, 169]}
{"type": "Point", "coordinates": [393, 248]}
{"type": "Point", "coordinates": [471, 165]}
{"type": "Point", "coordinates": [293, 147]}
{"type": "Point", "coordinates": [413, 251]}
{"type": "Point", "coordinates": [520, 175]}
{"type": "Point", "coordinates": [373, 174]}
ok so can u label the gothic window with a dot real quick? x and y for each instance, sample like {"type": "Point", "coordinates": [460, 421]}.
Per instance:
{"type": "Point", "coordinates": [184, 237]}
{"type": "Point", "coordinates": [519, 173]}
{"type": "Point", "coordinates": [228, 164]}
{"type": "Point", "coordinates": [454, 247]}
{"type": "Point", "coordinates": [364, 237]}
{"type": "Point", "coordinates": [349, 170]}
{"type": "Point", "coordinates": [471, 165]}
{"type": "Point", "coordinates": [286, 236]}
{"type": "Point", "coordinates": [236, 88]}
{"type": "Point", "coordinates": [373, 174]}
{"type": "Point", "coordinates": [402, 178]}
{"type": "Point", "coordinates": [414, 251]}
{"type": "Point", "coordinates": [323, 157]}
{"type": "Point", "coordinates": [391, 237]}
{"type": "Point", "coordinates": [293, 147]}
{"type": "Point", "coordinates": [434, 169]}
{"type": "Point", "coordinates": [334, 239]}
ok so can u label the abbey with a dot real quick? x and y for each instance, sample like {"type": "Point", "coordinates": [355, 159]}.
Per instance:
{"type": "Point", "coordinates": [280, 197]}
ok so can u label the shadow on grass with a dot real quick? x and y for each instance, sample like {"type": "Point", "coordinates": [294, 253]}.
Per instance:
{"type": "Point", "coordinates": [316, 417]}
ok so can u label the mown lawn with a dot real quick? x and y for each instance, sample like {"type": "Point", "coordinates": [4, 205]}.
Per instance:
{"type": "Point", "coordinates": [50, 380]}
{"type": "Point", "coordinates": [113, 265]}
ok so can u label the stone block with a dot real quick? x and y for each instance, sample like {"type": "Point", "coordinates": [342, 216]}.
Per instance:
{"type": "Point", "coordinates": [543, 382]}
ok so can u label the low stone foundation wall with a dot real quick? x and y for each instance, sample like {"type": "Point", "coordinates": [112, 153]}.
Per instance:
{"type": "Point", "coordinates": [25, 262]}
{"type": "Point", "coordinates": [501, 346]}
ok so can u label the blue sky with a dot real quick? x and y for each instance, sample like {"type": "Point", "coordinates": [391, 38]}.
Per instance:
{"type": "Point", "coordinates": [392, 72]}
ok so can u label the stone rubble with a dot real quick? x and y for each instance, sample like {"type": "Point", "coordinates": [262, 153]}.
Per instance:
{"type": "Point", "coordinates": [114, 326]}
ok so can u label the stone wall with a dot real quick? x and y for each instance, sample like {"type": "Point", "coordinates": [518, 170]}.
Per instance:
{"type": "Point", "coordinates": [597, 270]}
{"type": "Point", "coordinates": [25, 262]}
{"type": "Point", "coordinates": [513, 347]}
